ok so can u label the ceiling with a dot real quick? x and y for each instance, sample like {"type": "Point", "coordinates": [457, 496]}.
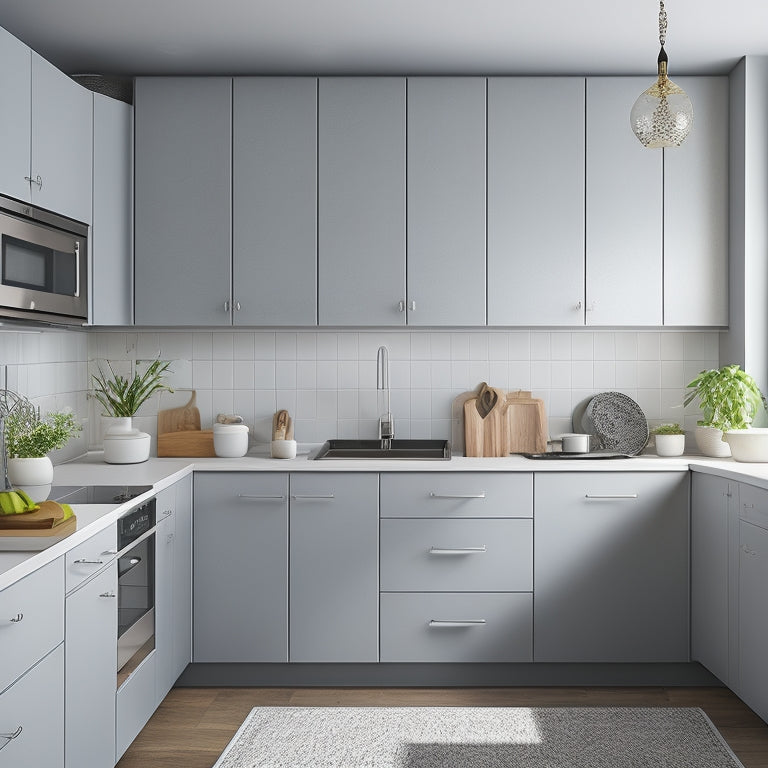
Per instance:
{"type": "Point", "coordinates": [132, 37]}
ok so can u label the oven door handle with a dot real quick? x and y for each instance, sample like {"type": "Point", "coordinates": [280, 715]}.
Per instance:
{"type": "Point", "coordinates": [77, 269]}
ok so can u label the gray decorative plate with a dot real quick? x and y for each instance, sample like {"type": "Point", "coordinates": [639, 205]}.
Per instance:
{"type": "Point", "coordinates": [617, 421]}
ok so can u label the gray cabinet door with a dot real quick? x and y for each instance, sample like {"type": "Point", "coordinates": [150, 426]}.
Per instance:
{"type": "Point", "coordinates": [111, 236]}
{"type": "Point", "coordinates": [274, 215]}
{"type": "Point", "coordinates": [241, 567]}
{"type": "Point", "coordinates": [536, 201]}
{"type": "Point", "coordinates": [753, 617]}
{"type": "Point", "coordinates": [164, 597]}
{"type": "Point", "coordinates": [62, 142]}
{"type": "Point", "coordinates": [710, 504]}
{"type": "Point", "coordinates": [15, 128]}
{"type": "Point", "coordinates": [334, 567]}
{"type": "Point", "coordinates": [183, 191]}
{"type": "Point", "coordinates": [446, 201]}
{"type": "Point", "coordinates": [611, 567]}
{"type": "Point", "coordinates": [361, 201]}
{"type": "Point", "coordinates": [624, 210]}
{"type": "Point", "coordinates": [182, 578]}
{"type": "Point", "coordinates": [90, 664]}
{"type": "Point", "coordinates": [696, 211]}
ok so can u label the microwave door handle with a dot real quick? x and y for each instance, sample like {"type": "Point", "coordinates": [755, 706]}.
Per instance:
{"type": "Point", "coordinates": [77, 269]}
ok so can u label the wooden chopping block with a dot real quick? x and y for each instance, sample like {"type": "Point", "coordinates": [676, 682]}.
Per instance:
{"type": "Point", "coordinates": [187, 443]}
{"type": "Point", "coordinates": [485, 436]}
{"type": "Point", "coordinates": [182, 419]}
{"type": "Point", "coordinates": [458, 421]}
{"type": "Point", "coordinates": [526, 423]}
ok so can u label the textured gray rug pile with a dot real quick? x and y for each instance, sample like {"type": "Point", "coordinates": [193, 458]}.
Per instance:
{"type": "Point", "coordinates": [477, 737]}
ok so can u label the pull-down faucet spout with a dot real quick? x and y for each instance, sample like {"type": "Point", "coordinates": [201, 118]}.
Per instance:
{"type": "Point", "coordinates": [386, 423]}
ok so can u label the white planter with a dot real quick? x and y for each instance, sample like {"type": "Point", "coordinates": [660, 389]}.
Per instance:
{"type": "Point", "coordinates": [670, 445]}
{"type": "Point", "coordinates": [123, 443]}
{"type": "Point", "coordinates": [33, 476]}
{"type": "Point", "coordinates": [710, 442]}
{"type": "Point", "coordinates": [748, 444]}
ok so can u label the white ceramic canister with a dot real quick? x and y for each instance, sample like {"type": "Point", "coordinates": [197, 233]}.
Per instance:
{"type": "Point", "coordinates": [575, 443]}
{"type": "Point", "coordinates": [230, 441]}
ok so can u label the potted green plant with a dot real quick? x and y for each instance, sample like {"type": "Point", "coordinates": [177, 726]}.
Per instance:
{"type": "Point", "coordinates": [121, 397]}
{"type": "Point", "coordinates": [29, 439]}
{"type": "Point", "coordinates": [669, 439]}
{"type": "Point", "coordinates": [729, 398]}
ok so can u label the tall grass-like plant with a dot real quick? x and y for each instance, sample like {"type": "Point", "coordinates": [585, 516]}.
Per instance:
{"type": "Point", "coordinates": [121, 396]}
{"type": "Point", "coordinates": [30, 437]}
{"type": "Point", "coordinates": [729, 398]}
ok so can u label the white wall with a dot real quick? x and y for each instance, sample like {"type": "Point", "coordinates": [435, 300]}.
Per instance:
{"type": "Point", "coordinates": [327, 379]}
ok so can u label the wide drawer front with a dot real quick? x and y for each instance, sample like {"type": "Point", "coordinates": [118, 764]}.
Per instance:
{"type": "Point", "coordinates": [91, 556]}
{"type": "Point", "coordinates": [456, 494]}
{"type": "Point", "coordinates": [31, 620]}
{"type": "Point", "coordinates": [456, 627]}
{"type": "Point", "coordinates": [753, 505]}
{"type": "Point", "coordinates": [457, 555]}
{"type": "Point", "coordinates": [32, 717]}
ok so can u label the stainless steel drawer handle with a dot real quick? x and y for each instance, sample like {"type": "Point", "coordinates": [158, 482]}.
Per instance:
{"type": "Point", "coordinates": [457, 550]}
{"type": "Point", "coordinates": [434, 495]}
{"type": "Point", "coordinates": [259, 497]}
{"type": "Point", "coordinates": [298, 497]}
{"type": "Point", "coordinates": [107, 594]}
{"type": "Point", "coordinates": [447, 624]}
{"type": "Point", "coordinates": [599, 496]}
{"type": "Point", "coordinates": [748, 506]}
{"type": "Point", "coordinates": [109, 552]}
{"type": "Point", "coordinates": [9, 737]}
{"type": "Point", "coordinates": [167, 512]}
{"type": "Point", "coordinates": [17, 618]}
{"type": "Point", "coordinates": [89, 562]}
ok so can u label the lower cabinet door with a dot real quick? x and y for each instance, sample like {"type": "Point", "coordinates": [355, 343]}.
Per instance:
{"type": "Point", "coordinates": [91, 672]}
{"type": "Point", "coordinates": [135, 703]}
{"type": "Point", "coordinates": [457, 627]}
{"type": "Point", "coordinates": [32, 717]}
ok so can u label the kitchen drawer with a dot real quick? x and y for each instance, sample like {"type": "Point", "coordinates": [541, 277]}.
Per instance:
{"type": "Point", "coordinates": [91, 556]}
{"type": "Point", "coordinates": [454, 627]}
{"type": "Point", "coordinates": [135, 703]}
{"type": "Point", "coordinates": [33, 708]}
{"type": "Point", "coordinates": [31, 620]}
{"type": "Point", "coordinates": [456, 555]}
{"type": "Point", "coordinates": [456, 494]}
{"type": "Point", "coordinates": [753, 505]}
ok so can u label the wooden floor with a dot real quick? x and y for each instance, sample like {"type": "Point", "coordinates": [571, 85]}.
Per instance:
{"type": "Point", "coordinates": [193, 725]}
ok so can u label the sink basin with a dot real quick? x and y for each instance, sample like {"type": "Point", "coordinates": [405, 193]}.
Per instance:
{"type": "Point", "coordinates": [422, 450]}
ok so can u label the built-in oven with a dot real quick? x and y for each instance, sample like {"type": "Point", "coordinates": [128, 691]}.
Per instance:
{"type": "Point", "coordinates": [135, 586]}
{"type": "Point", "coordinates": [43, 265]}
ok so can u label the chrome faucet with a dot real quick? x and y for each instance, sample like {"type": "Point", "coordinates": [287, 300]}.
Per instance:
{"type": "Point", "coordinates": [386, 422]}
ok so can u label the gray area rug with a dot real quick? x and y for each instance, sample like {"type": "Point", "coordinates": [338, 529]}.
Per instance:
{"type": "Point", "coordinates": [477, 737]}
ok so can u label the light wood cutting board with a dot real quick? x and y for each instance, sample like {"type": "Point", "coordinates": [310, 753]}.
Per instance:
{"type": "Point", "coordinates": [526, 423]}
{"type": "Point", "coordinates": [183, 419]}
{"type": "Point", "coordinates": [486, 436]}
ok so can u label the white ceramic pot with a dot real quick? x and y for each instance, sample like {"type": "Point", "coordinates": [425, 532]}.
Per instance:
{"type": "Point", "coordinates": [748, 444]}
{"type": "Point", "coordinates": [670, 445]}
{"type": "Point", "coordinates": [710, 442]}
{"type": "Point", "coordinates": [230, 441]}
{"type": "Point", "coordinates": [123, 443]}
{"type": "Point", "coordinates": [576, 443]}
{"type": "Point", "coordinates": [283, 449]}
{"type": "Point", "coordinates": [35, 471]}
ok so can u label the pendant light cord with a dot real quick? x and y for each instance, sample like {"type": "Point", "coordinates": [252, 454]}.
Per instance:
{"type": "Point", "coordinates": [662, 23]}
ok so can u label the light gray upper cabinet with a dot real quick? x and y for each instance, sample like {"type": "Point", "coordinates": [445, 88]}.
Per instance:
{"type": "Point", "coordinates": [624, 214]}
{"type": "Point", "coordinates": [62, 142]}
{"type": "Point", "coordinates": [275, 201]}
{"type": "Point", "coordinates": [334, 567]}
{"type": "Point", "coordinates": [446, 200]}
{"type": "Point", "coordinates": [711, 509]}
{"type": "Point", "coordinates": [183, 192]}
{"type": "Point", "coordinates": [15, 128]}
{"type": "Point", "coordinates": [90, 672]}
{"type": "Point", "coordinates": [361, 201]}
{"type": "Point", "coordinates": [535, 201]}
{"type": "Point", "coordinates": [696, 211]}
{"type": "Point", "coordinates": [611, 567]}
{"type": "Point", "coordinates": [241, 567]}
{"type": "Point", "coordinates": [111, 236]}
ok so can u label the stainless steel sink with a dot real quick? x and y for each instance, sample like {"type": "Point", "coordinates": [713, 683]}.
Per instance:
{"type": "Point", "coordinates": [421, 450]}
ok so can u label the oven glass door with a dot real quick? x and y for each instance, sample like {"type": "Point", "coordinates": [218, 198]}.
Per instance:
{"type": "Point", "coordinates": [42, 268]}
{"type": "Point", "coordinates": [136, 602]}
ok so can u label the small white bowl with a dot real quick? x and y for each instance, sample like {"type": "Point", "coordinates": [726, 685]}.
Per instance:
{"type": "Point", "coordinates": [283, 449]}
{"type": "Point", "coordinates": [575, 443]}
{"type": "Point", "coordinates": [748, 444]}
{"type": "Point", "coordinates": [230, 444]}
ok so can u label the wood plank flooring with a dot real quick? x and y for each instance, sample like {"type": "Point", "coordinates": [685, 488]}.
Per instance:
{"type": "Point", "coordinates": [193, 725]}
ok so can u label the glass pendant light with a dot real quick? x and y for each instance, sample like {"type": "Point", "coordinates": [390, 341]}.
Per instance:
{"type": "Point", "coordinates": [663, 115]}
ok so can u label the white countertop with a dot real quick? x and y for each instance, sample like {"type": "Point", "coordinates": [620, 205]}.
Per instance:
{"type": "Point", "coordinates": [160, 473]}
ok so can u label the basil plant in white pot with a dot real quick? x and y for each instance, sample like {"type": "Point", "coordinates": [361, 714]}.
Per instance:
{"type": "Point", "coordinates": [121, 397]}
{"type": "Point", "coordinates": [729, 399]}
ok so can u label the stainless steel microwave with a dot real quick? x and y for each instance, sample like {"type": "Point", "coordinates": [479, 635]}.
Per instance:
{"type": "Point", "coordinates": [43, 265]}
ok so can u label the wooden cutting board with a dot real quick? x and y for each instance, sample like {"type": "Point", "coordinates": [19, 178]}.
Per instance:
{"type": "Point", "coordinates": [188, 443]}
{"type": "Point", "coordinates": [182, 419]}
{"type": "Point", "coordinates": [485, 436]}
{"type": "Point", "coordinates": [526, 423]}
